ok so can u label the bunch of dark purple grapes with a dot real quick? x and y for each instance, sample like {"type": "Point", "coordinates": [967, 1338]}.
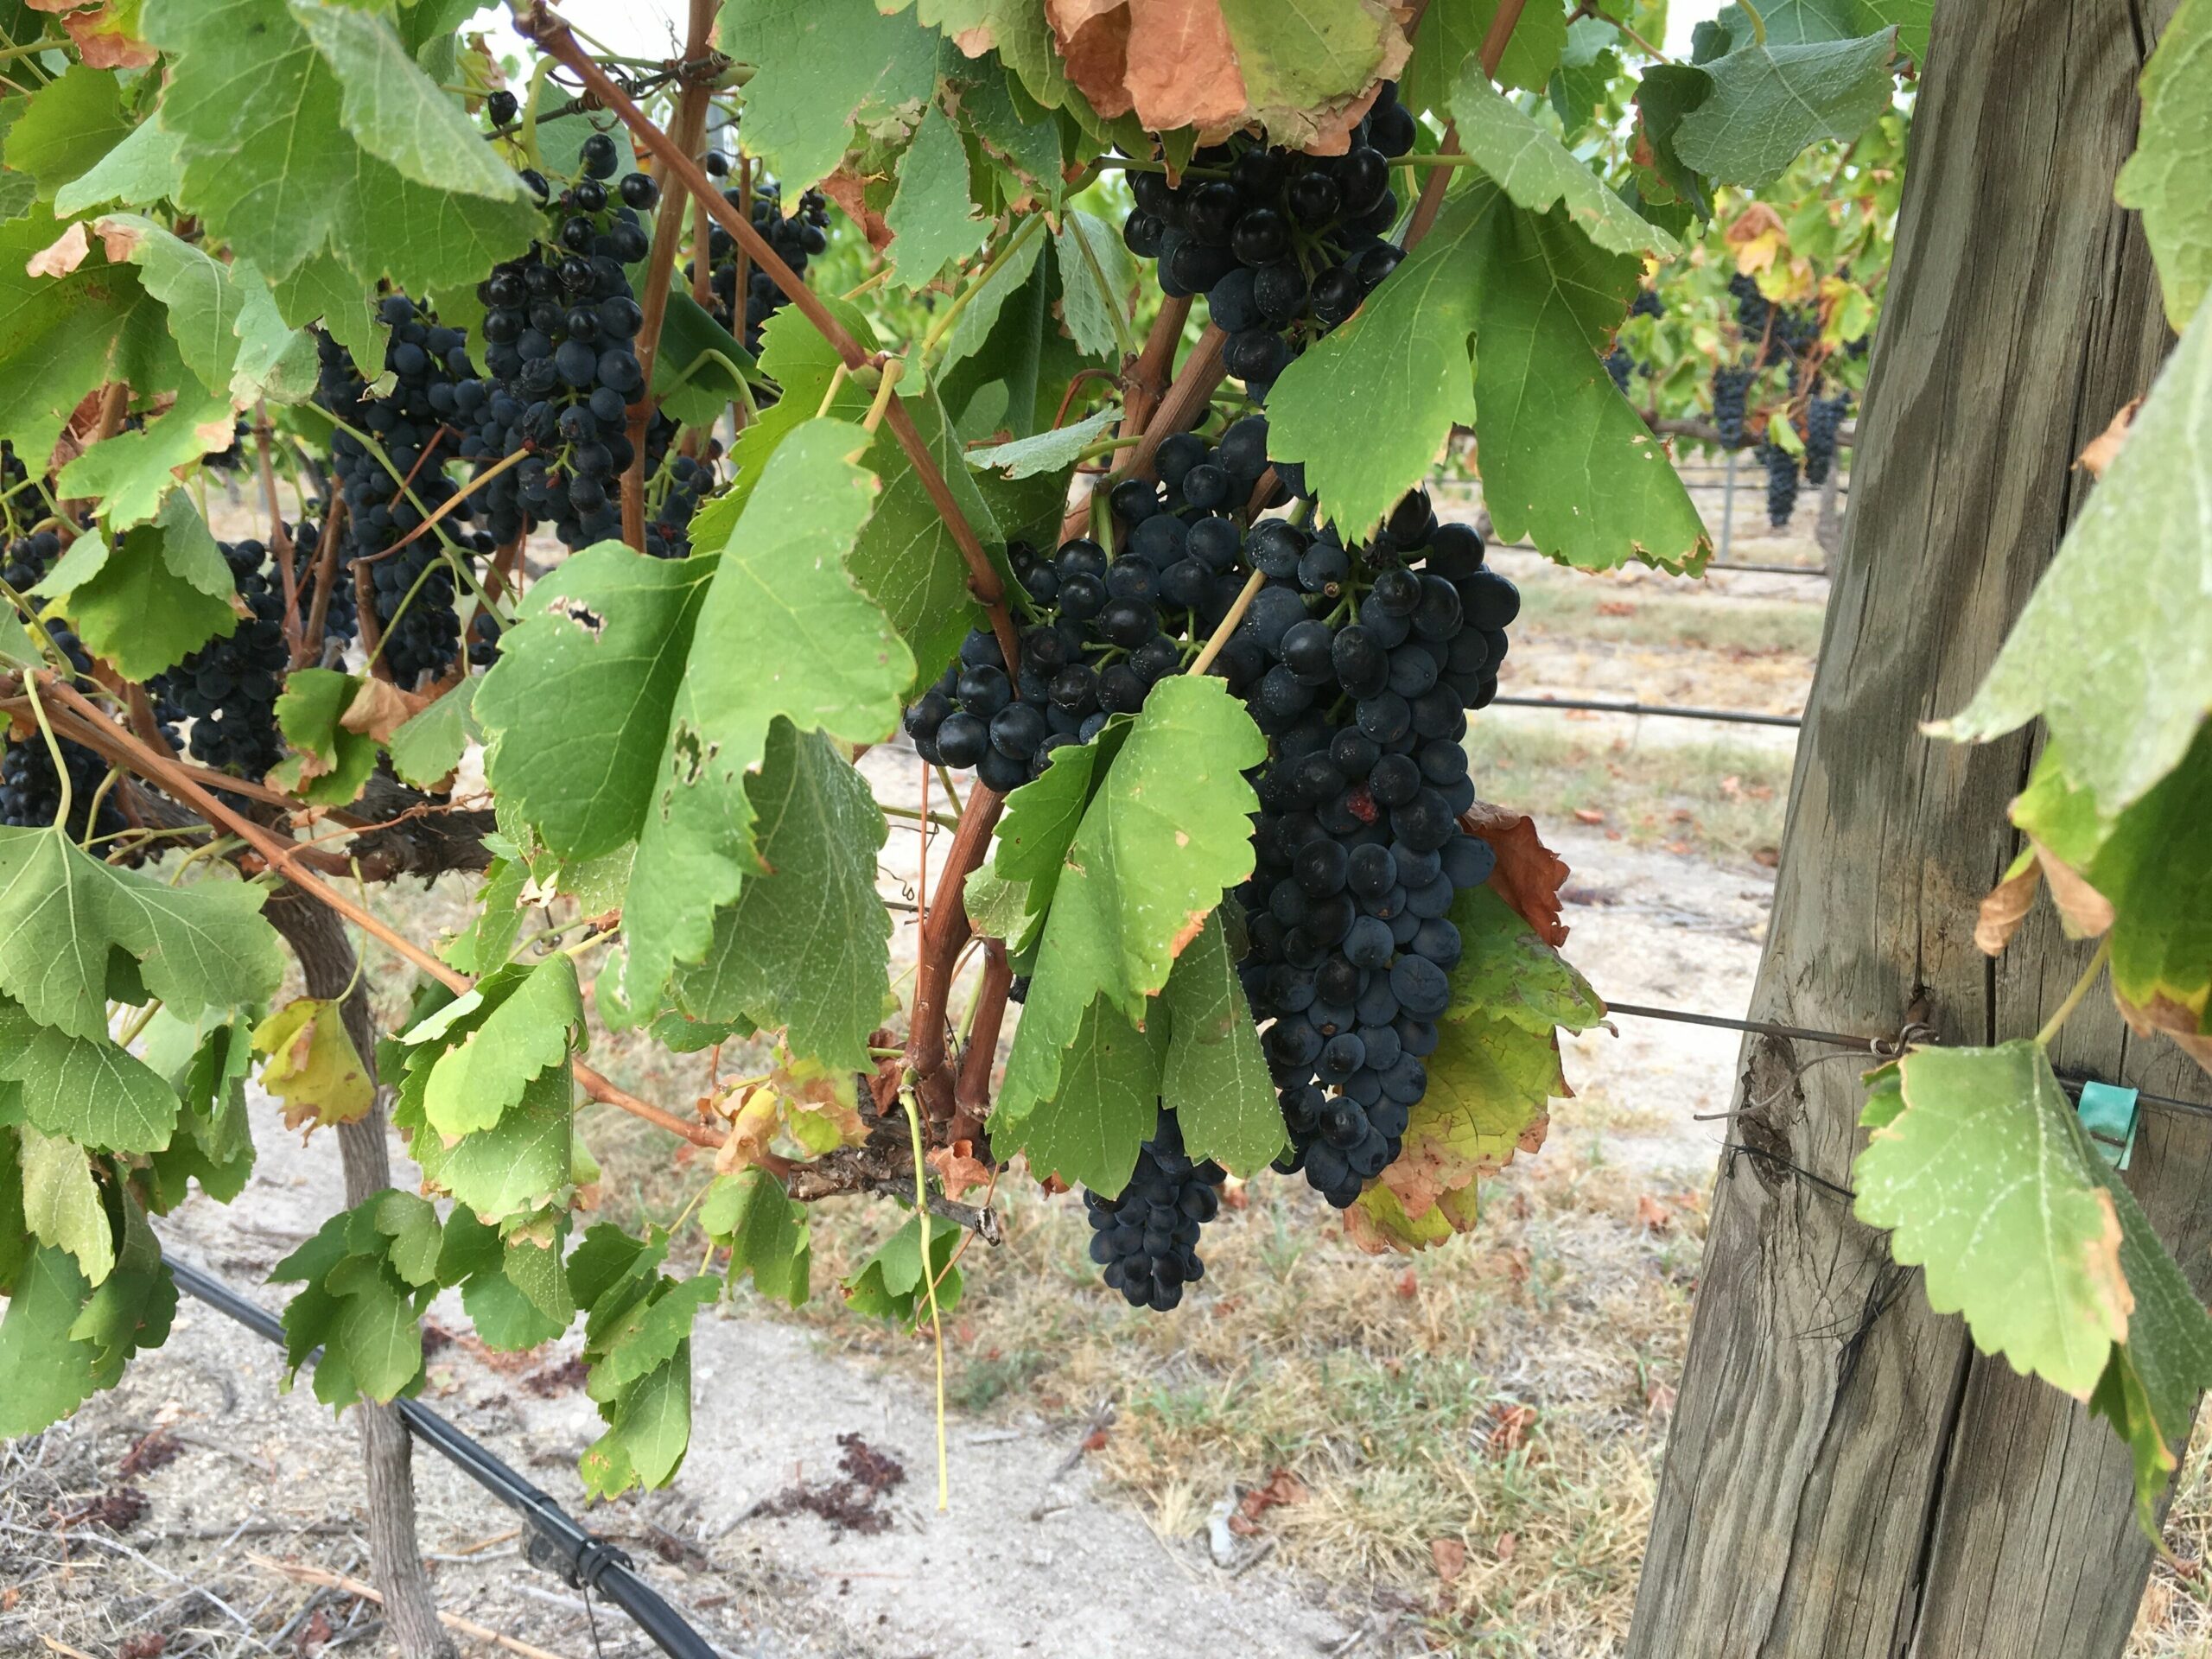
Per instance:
{"type": "Point", "coordinates": [1103, 630]}
{"type": "Point", "coordinates": [417, 424]}
{"type": "Point", "coordinates": [795, 240]}
{"type": "Point", "coordinates": [1781, 479]}
{"type": "Point", "coordinates": [1824, 419]}
{"type": "Point", "coordinates": [1359, 664]}
{"type": "Point", "coordinates": [1730, 386]}
{"type": "Point", "coordinates": [1283, 245]}
{"type": "Point", "coordinates": [229, 687]}
{"type": "Point", "coordinates": [1148, 1239]}
{"type": "Point", "coordinates": [560, 326]}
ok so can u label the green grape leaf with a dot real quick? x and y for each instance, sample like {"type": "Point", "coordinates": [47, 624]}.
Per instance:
{"type": "Point", "coordinates": [62, 1339]}
{"type": "Point", "coordinates": [143, 601]}
{"type": "Point", "coordinates": [2151, 1383]}
{"type": "Point", "coordinates": [520, 1164]}
{"type": "Point", "coordinates": [212, 1143]}
{"type": "Point", "coordinates": [1665, 93]}
{"type": "Point", "coordinates": [2164, 178]}
{"type": "Point", "coordinates": [2129, 575]}
{"type": "Point", "coordinates": [1041, 821]}
{"type": "Point", "coordinates": [767, 1235]}
{"type": "Point", "coordinates": [1587, 69]}
{"type": "Point", "coordinates": [85, 1088]}
{"type": "Point", "coordinates": [905, 557]}
{"type": "Point", "coordinates": [1506, 972]}
{"type": "Point", "coordinates": [66, 126]}
{"type": "Point", "coordinates": [932, 219]}
{"type": "Point", "coordinates": [329, 765]}
{"type": "Point", "coordinates": [807, 944]}
{"type": "Point", "coordinates": [323, 288]}
{"type": "Point", "coordinates": [1045, 452]}
{"type": "Point", "coordinates": [131, 473]}
{"type": "Point", "coordinates": [783, 633]}
{"type": "Point", "coordinates": [61, 1203]}
{"type": "Point", "coordinates": [1539, 173]}
{"type": "Point", "coordinates": [313, 1066]}
{"type": "Point", "coordinates": [1214, 1077]}
{"type": "Point", "coordinates": [489, 939]}
{"type": "Point", "coordinates": [820, 67]}
{"type": "Point", "coordinates": [1566, 461]}
{"type": "Point", "coordinates": [203, 300]}
{"type": "Point", "coordinates": [647, 1334]}
{"type": "Point", "coordinates": [286, 161]}
{"type": "Point", "coordinates": [700, 368]}
{"type": "Point", "coordinates": [533, 1018]}
{"type": "Point", "coordinates": [1490, 1084]}
{"type": "Point", "coordinates": [492, 1274]}
{"type": "Point", "coordinates": [15, 1242]}
{"type": "Point", "coordinates": [1107, 1104]}
{"type": "Point", "coordinates": [138, 172]}
{"type": "Point", "coordinates": [1097, 278]}
{"type": "Point", "coordinates": [889, 1284]}
{"type": "Point", "coordinates": [410, 1223]}
{"type": "Point", "coordinates": [979, 319]}
{"type": "Point", "coordinates": [1166, 830]}
{"type": "Point", "coordinates": [428, 745]}
{"type": "Point", "coordinates": [529, 1260]}
{"type": "Point", "coordinates": [199, 948]}
{"type": "Point", "coordinates": [1021, 138]}
{"type": "Point", "coordinates": [1985, 1183]}
{"type": "Point", "coordinates": [397, 113]}
{"type": "Point", "coordinates": [70, 322]}
{"type": "Point", "coordinates": [648, 1431]}
{"type": "Point", "coordinates": [1296, 61]}
{"type": "Point", "coordinates": [1451, 32]}
{"type": "Point", "coordinates": [1769, 100]}
{"type": "Point", "coordinates": [576, 710]}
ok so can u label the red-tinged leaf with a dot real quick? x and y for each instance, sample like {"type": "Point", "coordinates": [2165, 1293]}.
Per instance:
{"type": "Point", "coordinates": [1530, 874]}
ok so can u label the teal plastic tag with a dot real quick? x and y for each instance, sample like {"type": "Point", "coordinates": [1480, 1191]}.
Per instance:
{"type": "Point", "coordinates": [2110, 1115]}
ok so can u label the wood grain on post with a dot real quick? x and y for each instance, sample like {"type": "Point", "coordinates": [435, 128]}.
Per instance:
{"type": "Point", "coordinates": [1846, 1477]}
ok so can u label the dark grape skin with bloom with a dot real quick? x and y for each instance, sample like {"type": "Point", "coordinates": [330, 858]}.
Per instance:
{"type": "Point", "coordinates": [561, 325]}
{"type": "Point", "coordinates": [1147, 1239]}
{"type": "Point", "coordinates": [795, 240]}
{"type": "Point", "coordinates": [1780, 482]}
{"type": "Point", "coordinates": [30, 788]}
{"type": "Point", "coordinates": [1101, 632]}
{"type": "Point", "coordinates": [1359, 665]}
{"type": "Point", "coordinates": [1285, 246]}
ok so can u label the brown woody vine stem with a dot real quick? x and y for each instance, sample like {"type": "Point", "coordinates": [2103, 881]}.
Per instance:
{"type": "Point", "coordinates": [283, 855]}
{"type": "Point", "coordinates": [668, 232]}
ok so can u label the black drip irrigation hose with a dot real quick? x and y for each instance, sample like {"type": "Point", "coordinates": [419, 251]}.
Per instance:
{"type": "Point", "coordinates": [556, 1542]}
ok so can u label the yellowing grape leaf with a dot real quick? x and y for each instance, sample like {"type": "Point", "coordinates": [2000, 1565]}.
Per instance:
{"type": "Point", "coordinates": [313, 1066]}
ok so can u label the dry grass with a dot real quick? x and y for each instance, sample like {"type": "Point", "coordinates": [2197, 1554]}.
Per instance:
{"type": "Point", "coordinates": [1720, 800]}
{"type": "Point", "coordinates": [1645, 613]}
{"type": "Point", "coordinates": [1388, 1388]}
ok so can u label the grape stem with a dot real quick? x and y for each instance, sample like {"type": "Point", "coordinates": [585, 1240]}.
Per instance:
{"type": "Point", "coordinates": [996, 262]}
{"type": "Point", "coordinates": [2065, 1009]}
{"type": "Point", "coordinates": [937, 1316]}
{"type": "Point", "coordinates": [1245, 595]}
{"type": "Point", "coordinates": [53, 748]}
{"type": "Point", "coordinates": [280, 538]}
{"type": "Point", "coordinates": [309, 647]}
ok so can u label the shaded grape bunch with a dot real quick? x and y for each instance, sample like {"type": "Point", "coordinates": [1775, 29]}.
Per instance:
{"type": "Point", "coordinates": [1647, 303]}
{"type": "Point", "coordinates": [418, 426]}
{"type": "Point", "coordinates": [1285, 246]}
{"type": "Point", "coordinates": [1823, 420]}
{"type": "Point", "coordinates": [17, 505]}
{"type": "Point", "coordinates": [561, 325]}
{"type": "Point", "coordinates": [1148, 1239]}
{"type": "Point", "coordinates": [1781, 482]}
{"type": "Point", "coordinates": [1368, 658]}
{"type": "Point", "coordinates": [1730, 387]}
{"type": "Point", "coordinates": [30, 792]}
{"type": "Point", "coordinates": [1620, 365]}
{"type": "Point", "coordinates": [795, 240]}
{"type": "Point", "coordinates": [229, 686]}
{"type": "Point", "coordinates": [1104, 630]}
{"type": "Point", "coordinates": [1753, 309]}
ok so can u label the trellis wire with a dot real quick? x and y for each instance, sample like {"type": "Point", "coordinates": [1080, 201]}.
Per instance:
{"type": "Point", "coordinates": [1667, 710]}
{"type": "Point", "coordinates": [1871, 1046]}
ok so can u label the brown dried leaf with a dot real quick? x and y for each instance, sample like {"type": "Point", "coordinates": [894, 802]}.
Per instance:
{"type": "Point", "coordinates": [848, 190]}
{"type": "Point", "coordinates": [2004, 907]}
{"type": "Point", "coordinates": [2085, 913]}
{"type": "Point", "coordinates": [958, 1168]}
{"type": "Point", "coordinates": [1450, 1556]}
{"type": "Point", "coordinates": [1649, 1212]}
{"type": "Point", "coordinates": [1509, 1431]}
{"type": "Point", "coordinates": [379, 708]}
{"type": "Point", "coordinates": [2106, 445]}
{"type": "Point", "coordinates": [1094, 40]}
{"type": "Point", "coordinates": [1182, 69]}
{"type": "Point", "coordinates": [751, 1121]}
{"type": "Point", "coordinates": [2162, 1014]}
{"type": "Point", "coordinates": [61, 256]}
{"type": "Point", "coordinates": [1530, 874]}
